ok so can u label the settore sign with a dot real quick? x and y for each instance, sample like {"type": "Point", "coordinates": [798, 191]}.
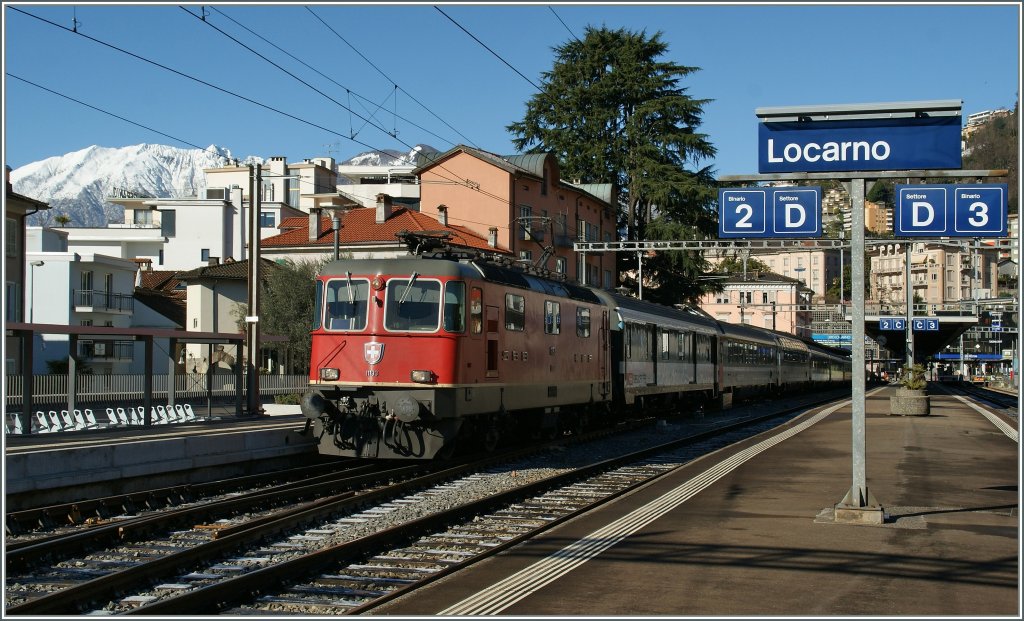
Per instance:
{"type": "Point", "coordinates": [769, 212]}
{"type": "Point", "coordinates": [875, 144]}
{"type": "Point", "coordinates": [944, 210]}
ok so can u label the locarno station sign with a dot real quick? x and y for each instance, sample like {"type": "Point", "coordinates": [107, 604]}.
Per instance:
{"type": "Point", "coordinates": [862, 137]}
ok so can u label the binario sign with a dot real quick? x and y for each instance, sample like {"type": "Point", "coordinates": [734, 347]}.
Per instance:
{"type": "Point", "coordinates": [900, 136]}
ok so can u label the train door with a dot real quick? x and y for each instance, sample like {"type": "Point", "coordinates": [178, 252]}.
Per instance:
{"type": "Point", "coordinates": [602, 355]}
{"type": "Point", "coordinates": [492, 341]}
{"type": "Point", "coordinates": [653, 350]}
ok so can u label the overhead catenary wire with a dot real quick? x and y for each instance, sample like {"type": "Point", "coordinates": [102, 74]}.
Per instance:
{"type": "Point", "coordinates": [348, 91]}
{"type": "Point", "coordinates": [454, 179]}
{"type": "Point", "coordinates": [397, 87]}
{"type": "Point", "coordinates": [571, 33]}
{"type": "Point", "coordinates": [496, 55]}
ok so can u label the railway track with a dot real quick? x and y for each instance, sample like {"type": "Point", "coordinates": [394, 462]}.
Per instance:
{"type": "Point", "coordinates": [339, 554]}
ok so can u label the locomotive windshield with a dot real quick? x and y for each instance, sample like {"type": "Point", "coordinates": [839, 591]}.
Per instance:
{"type": "Point", "coordinates": [345, 304]}
{"type": "Point", "coordinates": [412, 305]}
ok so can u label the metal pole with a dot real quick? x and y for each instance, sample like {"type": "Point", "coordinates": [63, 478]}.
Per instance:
{"type": "Point", "coordinates": [640, 279]}
{"type": "Point", "coordinates": [336, 225]}
{"type": "Point", "coordinates": [858, 505]}
{"type": "Point", "coordinates": [910, 310]}
{"type": "Point", "coordinates": [252, 320]}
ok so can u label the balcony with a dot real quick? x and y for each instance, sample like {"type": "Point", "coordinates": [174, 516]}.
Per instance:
{"type": "Point", "coordinates": [96, 301]}
{"type": "Point", "coordinates": [106, 351]}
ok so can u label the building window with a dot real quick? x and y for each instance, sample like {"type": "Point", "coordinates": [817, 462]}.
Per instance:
{"type": "Point", "coordinates": [168, 222]}
{"type": "Point", "coordinates": [160, 257]}
{"type": "Point", "coordinates": [293, 192]}
{"type": "Point", "coordinates": [526, 255]}
{"type": "Point", "coordinates": [12, 237]}
{"type": "Point", "coordinates": [204, 255]}
{"type": "Point", "coordinates": [142, 217]}
{"type": "Point", "coordinates": [11, 312]}
{"type": "Point", "coordinates": [560, 265]}
{"type": "Point", "coordinates": [525, 212]}
{"type": "Point", "coordinates": [267, 219]}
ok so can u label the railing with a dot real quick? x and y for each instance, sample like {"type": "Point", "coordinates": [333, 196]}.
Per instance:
{"type": "Point", "coordinates": [115, 389]}
{"type": "Point", "coordinates": [104, 300]}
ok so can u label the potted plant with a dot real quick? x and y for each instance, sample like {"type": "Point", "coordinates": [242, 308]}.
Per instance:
{"type": "Point", "coordinates": [911, 398]}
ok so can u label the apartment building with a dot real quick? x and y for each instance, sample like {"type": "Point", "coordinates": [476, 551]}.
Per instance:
{"type": "Point", "coordinates": [534, 213]}
{"type": "Point", "coordinates": [941, 272]}
{"type": "Point", "coordinates": [762, 299]}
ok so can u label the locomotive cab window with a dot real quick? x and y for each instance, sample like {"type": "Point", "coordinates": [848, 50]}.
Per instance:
{"type": "Point", "coordinates": [582, 322]}
{"type": "Point", "coordinates": [345, 303]}
{"type": "Point", "coordinates": [454, 306]}
{"type": "Point", "coordinates": [515, 312]}
{"type": "Point", "coordinates": [412, 305]}
{"type": "Point", "coordinates": [552, 317]}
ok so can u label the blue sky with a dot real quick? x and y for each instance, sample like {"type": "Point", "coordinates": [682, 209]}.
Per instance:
{"type": "Point", "coordinates": [453, 90]}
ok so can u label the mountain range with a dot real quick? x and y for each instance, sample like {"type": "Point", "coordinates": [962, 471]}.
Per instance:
{"type": "Point", "coordinates": [77, 184]}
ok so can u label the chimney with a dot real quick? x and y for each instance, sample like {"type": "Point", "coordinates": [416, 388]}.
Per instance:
{"type": "Point", "coordinates": [492, 237]}
{"type": "Point", "coordinates": [213, 261]}
{"type": "Point", "coordinates": [314, 224]}
{"type": "Point", "coordinates": [384, 208]}
{"type": "Point", "coordinates": [442, 214]}
{"type": "Point", "coordinates": [7, 177]}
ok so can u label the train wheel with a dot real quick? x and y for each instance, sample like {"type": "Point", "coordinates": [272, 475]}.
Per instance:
{"type": "Point", "coordinates": [491, 438]}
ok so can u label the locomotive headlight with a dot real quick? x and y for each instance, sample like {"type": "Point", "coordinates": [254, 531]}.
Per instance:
{"type": "Point", "coordinates": [422, 377]}
{"type": "Point", "coordinates": [329, 375]}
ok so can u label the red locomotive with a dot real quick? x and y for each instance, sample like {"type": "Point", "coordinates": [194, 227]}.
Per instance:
{"type": "Point", "coordinates": [414, 355]}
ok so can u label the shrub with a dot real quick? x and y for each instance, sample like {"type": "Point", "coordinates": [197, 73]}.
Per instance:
{"type": "Point", "coordinates": [912, 377]}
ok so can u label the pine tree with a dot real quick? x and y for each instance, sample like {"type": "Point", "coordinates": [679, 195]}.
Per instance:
{"type": "Point", "coordinates": [611, 111]}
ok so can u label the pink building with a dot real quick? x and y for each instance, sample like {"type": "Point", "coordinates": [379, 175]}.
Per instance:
{"type": "Point", "coordinates": [764, 300]}
{"type": "Point", "coordinates": [521, 202]}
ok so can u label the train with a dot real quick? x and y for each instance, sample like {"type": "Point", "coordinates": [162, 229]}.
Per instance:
{"type": "Point", "coordinates": [419, 356]}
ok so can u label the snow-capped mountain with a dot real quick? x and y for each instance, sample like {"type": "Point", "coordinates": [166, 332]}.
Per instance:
{"type": "Point", "coordinates": [77, 184]}
{"type": "Point", "coordinates": [417, 156]}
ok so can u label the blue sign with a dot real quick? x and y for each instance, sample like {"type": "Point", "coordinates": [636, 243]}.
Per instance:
{"type": "Point", "coordinates": [951, 210]}
{"type": "Point", "coordinates": [874, 144]}
{"type": "Point", "coordinates": [892, 323]}
{"type": "Point", "coordinates": [926, 325]}
{"type": "Point", "coordinates": [769, 212]}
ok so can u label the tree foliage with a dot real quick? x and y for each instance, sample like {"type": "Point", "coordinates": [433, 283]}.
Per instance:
{"type": "Point", "coordinates": [612, 112]}
{"type": "Point", "coordinates": [996, 145]}
{"type": "Point", "coordinates": [286, 309]}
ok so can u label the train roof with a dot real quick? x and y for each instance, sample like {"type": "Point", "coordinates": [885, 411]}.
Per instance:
{"type": "Point", "coordinates": [668, 316]}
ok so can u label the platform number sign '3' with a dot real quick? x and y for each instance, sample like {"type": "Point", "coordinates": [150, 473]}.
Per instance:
{"type": "Point", "coordinates": [951, 210]}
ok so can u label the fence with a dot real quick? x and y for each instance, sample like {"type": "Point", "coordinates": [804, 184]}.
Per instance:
{"type": "Point", "coordinates": [112, 389]}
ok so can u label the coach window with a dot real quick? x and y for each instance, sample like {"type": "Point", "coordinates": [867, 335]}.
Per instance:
{"type": "Point", "coordinates": [454, 305]}
{"type": "Point", "coordinates": [583, 322]}
{"type": "Point", "coordinates": [412, 305]}
{"type": "Point", "coordinates": [515, 312]}
{"type": "Point", "coordinates": [345, 304]}
{"type": "Point", "coordinates": [552, 317]}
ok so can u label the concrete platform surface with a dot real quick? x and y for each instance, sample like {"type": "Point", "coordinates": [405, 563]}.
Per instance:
{"type": "Point", "coordinates": [761, 539]}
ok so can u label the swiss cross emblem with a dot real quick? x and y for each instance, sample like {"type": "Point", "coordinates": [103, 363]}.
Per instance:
{"type": "Point", "coordinates": [373, 352]}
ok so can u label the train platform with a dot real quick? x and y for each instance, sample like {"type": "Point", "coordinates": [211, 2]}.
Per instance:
{"type": "Point", "coordinates": [750, 530]}
{"type": "Point", "coordinates": [44, 467]}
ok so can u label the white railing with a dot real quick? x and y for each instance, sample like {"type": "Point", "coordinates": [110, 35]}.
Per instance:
{"type": "Point", "coordinates": [53, 389]}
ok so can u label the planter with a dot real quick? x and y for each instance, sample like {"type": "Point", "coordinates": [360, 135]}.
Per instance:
{"type": "Point", "coordinates": [908, 402]}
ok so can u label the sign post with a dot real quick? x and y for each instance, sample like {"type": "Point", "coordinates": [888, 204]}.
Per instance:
{"type": "Point", "coordinates": [854, 143]}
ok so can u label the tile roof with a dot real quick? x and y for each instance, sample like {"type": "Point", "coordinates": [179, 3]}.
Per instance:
{"type": "Point", "coordinates": [159, 280]}
{"type": "Point", "coordinates": [171, 306]}
{"type": "Point", "coordinates": [359, 226]}
{"type": "Point", "coordinates": [233, 270]}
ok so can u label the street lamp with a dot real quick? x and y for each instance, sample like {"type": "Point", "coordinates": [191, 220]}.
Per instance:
{"type": "Point", "coordinates": [32, 290]}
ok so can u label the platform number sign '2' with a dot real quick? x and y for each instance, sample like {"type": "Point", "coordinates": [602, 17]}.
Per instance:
{"type": "Point", "coordinates": [951, 210]}
{"type": "Point", "coordinates": [769, 212]}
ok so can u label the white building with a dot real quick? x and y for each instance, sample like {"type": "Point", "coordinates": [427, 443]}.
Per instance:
{"type": "Point", "coordinates": [364, 183]}
{"type": "Point", "coordinates": [81, 289]}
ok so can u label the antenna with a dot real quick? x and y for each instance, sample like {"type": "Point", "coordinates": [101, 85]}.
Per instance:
{"type": "Point", "coordinates": [74, 19]}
